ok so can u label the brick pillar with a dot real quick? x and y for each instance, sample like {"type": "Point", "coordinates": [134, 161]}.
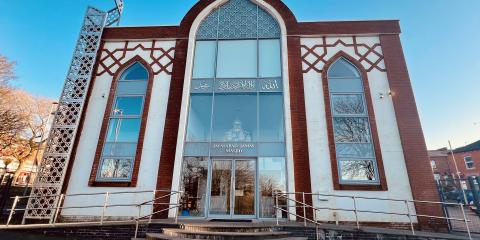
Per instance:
{"type": "Point", "coordinates": [299, 124]}
{"type": "Point", "coordinates": [170, 133]}
{"type": "Point", "coordinates": [413, 143]}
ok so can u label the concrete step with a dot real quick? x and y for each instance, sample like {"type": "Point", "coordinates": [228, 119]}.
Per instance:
{"type": "Point", "coordinates": [226, 228]}
{"type": "Point", "coordinates": [159, 236]}
{"type": "Point", "coordinates": [182, 233]}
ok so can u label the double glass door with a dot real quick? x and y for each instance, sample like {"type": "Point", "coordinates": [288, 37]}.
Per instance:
{"type": "Point", "coordinates": [232, 188]}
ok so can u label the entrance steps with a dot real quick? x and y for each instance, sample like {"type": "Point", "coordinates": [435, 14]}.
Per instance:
{"type": "Point", "coordinates": [221, 232]}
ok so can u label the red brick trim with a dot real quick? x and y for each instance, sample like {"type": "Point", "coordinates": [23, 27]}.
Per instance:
{"type": "Point", "coordinates": [347, 27]}
{"type": "Point", "coordinates": [293, 26]}
{"type": "Point", "coordinates": [172, 121]}
{"type": "Point", "coordinates": [417, 162]}
{"type": "Point", "coordinates": [153, 32]}
{"type": "Point", "coordinates": [301, 162]}
{"type": "Point", "coordinates": [373, 126]}
{"type": "Point", "coordinates": [103, 132]}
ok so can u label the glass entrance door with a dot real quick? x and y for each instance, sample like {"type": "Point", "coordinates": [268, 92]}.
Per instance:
{"type": "Point", "coordinates": [232, 188]}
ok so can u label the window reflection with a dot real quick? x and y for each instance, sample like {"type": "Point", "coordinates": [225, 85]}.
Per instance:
{"type": "Point", "coordinates": [194, 185]}
{"type": "Point", "coordinates": [123, 130]}
{"type": "Point", "coordinates": [116, 169]}
{"type": "Point", "coordinates": [269, 58]}
{"type": "Point", "coordinates": [204, 63]}
{"type": "Point", "coordinates": [235, 117]}
{"type": "Point", "coordinates": [125, 106]}
{"type": "Point", "coordinates": [245, 171]}
{"type": "Point", "coordinates": [351, 126]}
{"type": "Point", "coordinates": [221, 187]}
{"type": "Point", "coordinates": [352, 130]}
{"type": "Point", "coordinates": [272, 178]}
{"type": "Point", "coordinates": [199, 118]}
{"type": "Point", "coordinates": [347, 104]}
{"type": "Point", "coordinates": [358, 170]}
{"type": "Point", "coordinates": [237, 58]}
{"type": "Point", "coordinates": [135, 73]}
{"type": "Point", "coordinates": [271, 117]}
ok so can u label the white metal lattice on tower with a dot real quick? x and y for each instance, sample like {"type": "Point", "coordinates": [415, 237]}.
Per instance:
{"type": "Point", "coordinates": [44, 197]}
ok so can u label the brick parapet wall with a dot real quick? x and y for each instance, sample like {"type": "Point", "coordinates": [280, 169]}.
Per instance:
{"type": "Point", "coordinates": [413, 143]}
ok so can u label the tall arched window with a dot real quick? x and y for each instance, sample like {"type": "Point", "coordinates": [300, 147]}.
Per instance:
{"type": "Point", "coordinates": [352, 132]}
{"type": "Point", "coordinates": [235, 119]}
{"type": "Point", "coordinates": [120, 141]}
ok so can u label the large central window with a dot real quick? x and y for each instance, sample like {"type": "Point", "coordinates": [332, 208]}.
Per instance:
{"type": "Point", "coordinates": [235, 109]}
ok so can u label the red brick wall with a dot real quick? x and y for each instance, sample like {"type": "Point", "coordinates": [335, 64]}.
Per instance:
{"type": "Point", "coordinates": [411, 135]}
{"type": "Point", "coordinates": [459, 157]}
{"type": "Point", "coordinates": [442, 165]}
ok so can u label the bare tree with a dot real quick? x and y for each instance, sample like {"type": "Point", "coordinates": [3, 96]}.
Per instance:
{"type": "Point", "coordinates": [23, 117]}
{"type": "Point", "coordinates": [11, 120]}
{"type": "Point", "coordinates": [22, 140]}
{"type": "Point", "coordinates": [6, 71]}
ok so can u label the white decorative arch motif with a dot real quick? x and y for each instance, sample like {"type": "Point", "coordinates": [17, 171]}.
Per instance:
{"type": "Point", "coordinates": [238, 19]}
{"type": "Point", "coordinates": [204, 27]}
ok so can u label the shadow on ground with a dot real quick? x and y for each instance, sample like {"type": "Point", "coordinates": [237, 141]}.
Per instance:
{"type": "Point", "coordinates": [25, 236]}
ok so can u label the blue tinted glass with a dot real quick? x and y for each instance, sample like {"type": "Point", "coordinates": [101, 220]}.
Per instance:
{"type": "Point", "coordinates": [271, 117]}
{"type": "Point", "coordinates": [269, 56]}
{"type": "Point", "coordinates": [123, 130]}
{"type": "Point", "coordinates": [135, 72]}
{"type": "Point", "coordinates": [345, 85]}
{"type": "Point", "coordinates": [199, 118]}
{"type": "Point", "coordinates": [204, 63]}
{"type": "Point", "coordinates": [272, 173]}
{"type": "Point", "coordinates": [125, 106]}
{"type": "Point", "coordinates": [136, 87]}
{"type": "Point", "coordinates": [343, 68]}
{"type": "Point", "coordinates": [235, 118]}
{"type": "Point", "coordinates": [237, 59]}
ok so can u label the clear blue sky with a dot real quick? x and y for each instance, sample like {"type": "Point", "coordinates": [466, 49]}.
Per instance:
{"type": "Point", "coordinates": [441, 39]}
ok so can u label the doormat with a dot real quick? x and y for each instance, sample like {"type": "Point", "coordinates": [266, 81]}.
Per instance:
{"type": "Point", "coordinates": [230, 220]}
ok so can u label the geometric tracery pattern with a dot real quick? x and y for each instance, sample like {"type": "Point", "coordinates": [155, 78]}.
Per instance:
{"type": "Point", "coordinates": [316, 53]}
{"type": "Point", "coordinates": [238, 19]}
{"type": "Point", "coordinates": [160, 58]}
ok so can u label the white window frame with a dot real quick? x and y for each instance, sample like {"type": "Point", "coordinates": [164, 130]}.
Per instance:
{"type": "Point", "coordinates": [471, 161]}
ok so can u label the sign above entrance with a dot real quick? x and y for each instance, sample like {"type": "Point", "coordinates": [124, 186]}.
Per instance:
{"type": "Point", "coordinates": [229, 149]}
{"type": "Point", "coordinates": [236, 85]}
{"type": "Point", "coordinates": [234, 149]}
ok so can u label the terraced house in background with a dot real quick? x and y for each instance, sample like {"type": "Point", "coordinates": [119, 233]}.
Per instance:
{"type": "Point", "coordinates": [236, 104]}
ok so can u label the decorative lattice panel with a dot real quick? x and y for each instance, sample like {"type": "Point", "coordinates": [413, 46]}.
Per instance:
{"type": "Point", "coordinates": [160, 56]}
{"type": "Point", "coordinates": [238, 19]}
{"type": "Point", "coordinates": [51, 173]}
{"type": "Point", "coordinates": [317, 51]}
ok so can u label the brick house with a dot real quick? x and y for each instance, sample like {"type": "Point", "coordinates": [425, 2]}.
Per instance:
{"type": "Point", "coordinates": [466, 157]}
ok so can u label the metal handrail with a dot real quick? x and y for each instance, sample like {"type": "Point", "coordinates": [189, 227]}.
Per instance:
{"type": "Point", "coordinates": [58, 208]}
{"type": "Point", "coordinates": [304, 205]}
{"type": "Point", "coordinates": [152, 202]}
{"type": "Point", "coordinates": [93, 194]}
